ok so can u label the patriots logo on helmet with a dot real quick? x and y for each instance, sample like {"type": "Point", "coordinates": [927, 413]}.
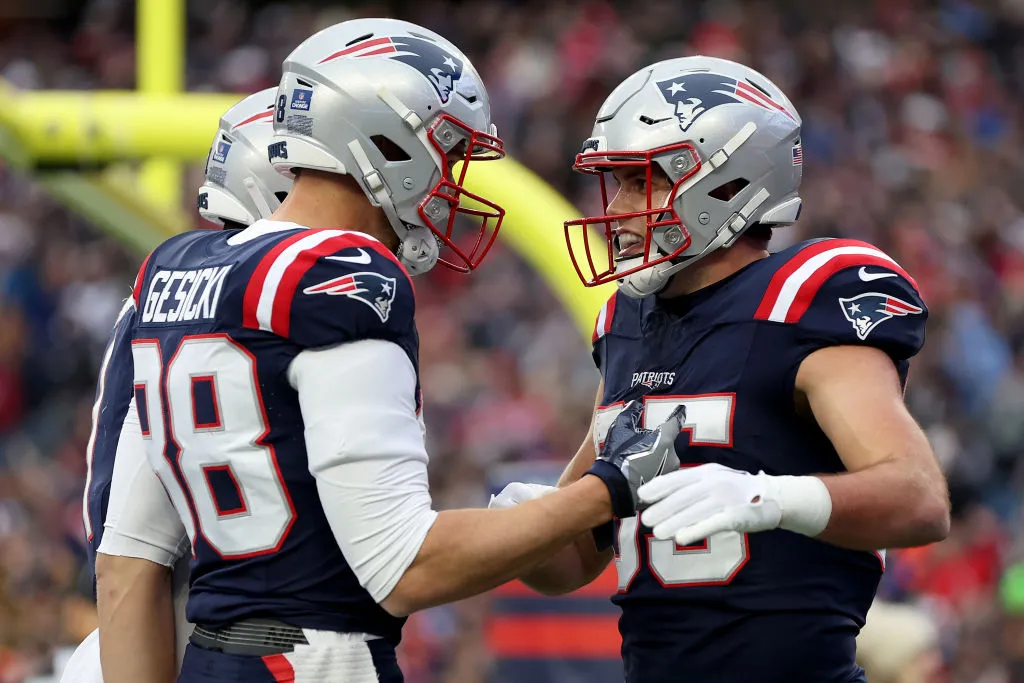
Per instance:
{"type": "Point", "coordinates": [373, 289]}
{"type": "Point", "coordinates": [867, 311]}
{"type": "Point", "coordinates": [442, 69]}
{"type": "Point", "coordinates": [694, 94]}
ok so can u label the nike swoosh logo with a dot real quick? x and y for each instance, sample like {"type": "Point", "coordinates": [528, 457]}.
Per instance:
{"type": "Point", "coordinates": [363, 258]}
{"type": "Point", "coordinates": [864, 275]}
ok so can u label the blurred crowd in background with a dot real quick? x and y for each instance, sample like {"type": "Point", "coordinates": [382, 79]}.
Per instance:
{"type": "Point", "coordinates": [912, 138]}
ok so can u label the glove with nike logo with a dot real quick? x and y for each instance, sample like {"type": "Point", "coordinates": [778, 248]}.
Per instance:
{"type": "Point", "coordinates": [632, 455]}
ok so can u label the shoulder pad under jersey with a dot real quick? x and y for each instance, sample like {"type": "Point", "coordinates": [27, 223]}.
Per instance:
{"type": "Point", "coordinates": [325, 287]}
{"type": "Point", "coordinates": [842, 291]}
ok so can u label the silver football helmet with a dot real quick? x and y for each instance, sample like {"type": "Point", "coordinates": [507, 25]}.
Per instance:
{"type": "Point", "coordinates": [391, 104]}
{"type": "Point", "coordinates": [708, 123]}
{"type": "Point", "coordinates": [241, 185]}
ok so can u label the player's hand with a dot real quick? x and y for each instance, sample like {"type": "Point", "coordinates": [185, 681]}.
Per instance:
{"type": "Point", "coordinates": [518, 492]}
{"type": "Point", "coordinates": [694, 503]}
{"type": "Point", "coordinates": [632, 455]}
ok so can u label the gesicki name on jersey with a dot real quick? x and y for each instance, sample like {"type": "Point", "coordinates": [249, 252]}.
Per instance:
{"type": "Point", "coordinates": [195, 295]}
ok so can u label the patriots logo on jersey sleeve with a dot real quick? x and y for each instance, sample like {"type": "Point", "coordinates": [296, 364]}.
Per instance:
{"type": "Point", "coordinates": [867, 311]}
{"type": "Point", "coordinates": [696, 93]}
{"type": "Point", "coordinates": [442, 69]}
{"type": "Point", "coordinates": [373, 289]}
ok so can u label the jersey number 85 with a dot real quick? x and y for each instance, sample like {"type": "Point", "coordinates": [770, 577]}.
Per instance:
{"type": "Point", "coordinates": [716, 560]}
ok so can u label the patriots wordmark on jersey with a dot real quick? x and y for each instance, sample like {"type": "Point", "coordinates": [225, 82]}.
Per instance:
{"type": "Point", "coordinates": [777, 603]}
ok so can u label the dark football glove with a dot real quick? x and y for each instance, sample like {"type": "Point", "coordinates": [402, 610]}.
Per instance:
{"type": "Point", "coordinates": [631, 455]}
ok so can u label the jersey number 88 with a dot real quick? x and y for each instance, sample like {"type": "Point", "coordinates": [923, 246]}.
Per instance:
{"type": "Point", "coordinates": [232, 443]}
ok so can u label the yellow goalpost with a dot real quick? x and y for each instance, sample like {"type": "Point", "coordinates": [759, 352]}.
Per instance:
{"type": "Point", "coordinates": [81, 145]}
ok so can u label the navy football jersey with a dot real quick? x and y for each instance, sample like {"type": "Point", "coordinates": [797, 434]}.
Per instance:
{"type": "Point", "coordinates": [774, 606]}
{"type": "Point", "coordinates": [113, 394]}
{"type": "Point", "coordinates": [221, 315]}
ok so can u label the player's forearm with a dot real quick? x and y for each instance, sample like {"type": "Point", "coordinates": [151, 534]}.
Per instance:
{"type": "Point", "coordinates": [894, 494]}
{"type": "Point", "coordinates": [892, 504]}
{"type": "Point", "coordinates": [471, 551]}
{"type": "Point", "coordinates": [572, 567]}
{"type": "Point", "coordinates": [136, 620]}
{"type": "Point", "coordinates": [579, 562]}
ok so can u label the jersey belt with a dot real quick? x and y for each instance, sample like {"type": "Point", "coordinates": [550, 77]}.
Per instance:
{"type": "Point", "coordinates": [258, 637]}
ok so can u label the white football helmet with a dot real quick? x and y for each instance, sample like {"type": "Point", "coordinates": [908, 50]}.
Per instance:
{"type": "Point", "coordinates": [387, 102]}
{"type": "Point", "coordinates": [707, 123]}
{"type": "Point", "coordinates": [241, 186]}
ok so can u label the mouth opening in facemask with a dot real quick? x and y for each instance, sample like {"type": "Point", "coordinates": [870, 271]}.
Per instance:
{"type": "Point", "coordinates": [464, 222]}
{"type": "Point", "coordinates": [602, 248]}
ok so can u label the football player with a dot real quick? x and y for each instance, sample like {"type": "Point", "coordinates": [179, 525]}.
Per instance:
{"type": "Point", "coordinates": [241, 187]}
{"type": "Point", "coordinates": [276, 391]}
{"type": "Point", "coordinates": [758, 559]}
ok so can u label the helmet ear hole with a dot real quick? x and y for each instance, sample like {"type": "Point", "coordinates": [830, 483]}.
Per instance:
{"type": "Point", "coordinates": [727, 191]}
{"type": "Point", "coordinates": [389, 149]}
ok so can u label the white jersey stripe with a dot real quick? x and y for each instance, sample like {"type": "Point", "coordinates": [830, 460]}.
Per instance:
{"type": "Point", "coordinates": [265, 307]}
{"type": "Point", "coordinates": [599, 330]}
{"type": "Point", "coordinates": [791, 287]}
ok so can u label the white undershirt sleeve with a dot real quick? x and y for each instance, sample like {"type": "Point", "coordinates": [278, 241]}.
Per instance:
{"type": "Point", "coordinates": [141, 521]}
{"type": "Point", "coordinates": [364, 442]}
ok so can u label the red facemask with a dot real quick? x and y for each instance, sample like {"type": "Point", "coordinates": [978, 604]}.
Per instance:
{"type": "Point", "coordinates": [450, 199]}
{"type": "Point", "coordinates": [583, 251]}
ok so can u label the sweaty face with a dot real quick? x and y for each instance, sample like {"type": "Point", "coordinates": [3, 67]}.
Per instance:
{"type": "Point", "coordinates": [631, 197]}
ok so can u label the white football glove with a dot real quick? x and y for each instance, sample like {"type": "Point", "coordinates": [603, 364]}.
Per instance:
{"type": "Point", "coordinates": [518, 492]}
{"type": "Point", "coordinates": [696, 502]}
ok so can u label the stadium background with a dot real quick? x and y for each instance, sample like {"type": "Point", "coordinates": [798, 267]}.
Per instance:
{"type": "Point", "coordinates": [912, 141]}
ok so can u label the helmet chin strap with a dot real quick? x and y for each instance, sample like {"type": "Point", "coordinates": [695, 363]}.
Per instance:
{"type": "Point", "coordinates": [644, 282]}
{"type": "Point", "coordinates": [418, 249]}
{"type": "Point", "coordinates": [654, 279]}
